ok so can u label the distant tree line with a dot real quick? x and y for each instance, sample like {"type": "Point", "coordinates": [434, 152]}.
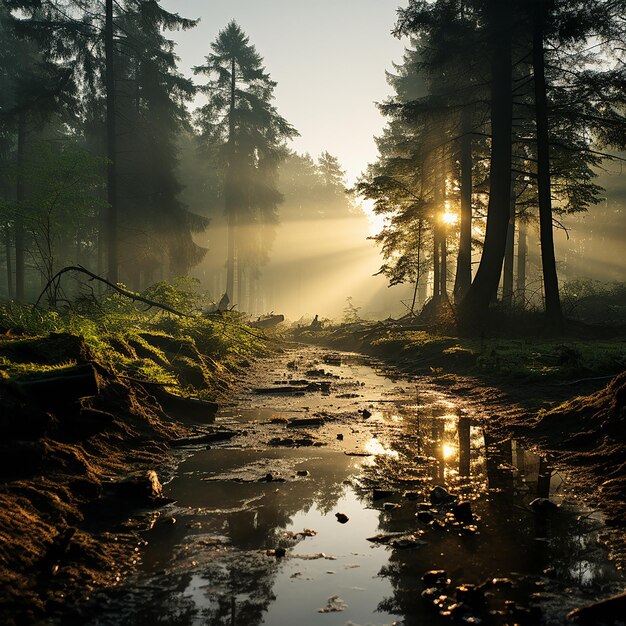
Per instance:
{"type": "Point", "coordinates": [502, 114]}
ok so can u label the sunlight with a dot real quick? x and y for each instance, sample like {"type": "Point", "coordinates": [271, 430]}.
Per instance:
{"type": "Point", "coordinates": [448, 451]}
{"type": "Point", "coordinates": [449, 218]}
{"type": "Point", "coordinates": [373, 446]}
{"type": "Point", "coordinates": [376, 222]}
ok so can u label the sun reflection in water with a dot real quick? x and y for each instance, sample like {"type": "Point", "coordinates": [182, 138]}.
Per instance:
{"type": "Point", "coordinates": [373, 446]}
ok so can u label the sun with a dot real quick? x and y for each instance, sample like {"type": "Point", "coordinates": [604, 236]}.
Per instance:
{"type": "Point", "coordinates": [449, 218]}
{"type": "Point", "coordinates": [448, 451]}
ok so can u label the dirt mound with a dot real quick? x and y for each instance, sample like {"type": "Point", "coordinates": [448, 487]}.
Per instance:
{"type": "Point", "coordinates": [50, 350]}
{"type": "Point", "coordinates": [601, 414]}
{"type": "Point", "coordinates": [588, 432]}
{"type": "Point", "coordinates": [69, 434]}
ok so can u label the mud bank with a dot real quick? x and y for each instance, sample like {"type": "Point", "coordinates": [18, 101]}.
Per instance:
{"type": "Point", "coordinates": [81, 445]}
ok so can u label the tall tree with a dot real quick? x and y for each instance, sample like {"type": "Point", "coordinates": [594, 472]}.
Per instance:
{"type": "Point", "coordinates": [240, 116]}
{"type": "Point", "coordinates": [482, 290]}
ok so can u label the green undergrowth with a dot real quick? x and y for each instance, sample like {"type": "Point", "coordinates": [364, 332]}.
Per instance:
{"type": "Point", "coordinates": [531, 359]}
{"type": "Point", "coordinates": [194, 354]}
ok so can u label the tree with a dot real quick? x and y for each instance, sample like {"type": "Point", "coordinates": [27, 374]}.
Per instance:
{"type": "Point", "coordinates": [240, 116]}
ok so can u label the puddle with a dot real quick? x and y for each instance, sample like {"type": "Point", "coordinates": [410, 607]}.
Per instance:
{"type": "Point", "coordinates": [211, 557]}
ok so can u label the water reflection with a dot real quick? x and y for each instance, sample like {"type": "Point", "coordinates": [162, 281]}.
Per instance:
{"type": "Point", "coordinates": [207, 559]}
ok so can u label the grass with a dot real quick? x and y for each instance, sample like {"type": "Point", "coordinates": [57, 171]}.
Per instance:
{"type": "Point", "coordinates": [532, 359]}
{"type": "Point", "coordinates": [193, 354]}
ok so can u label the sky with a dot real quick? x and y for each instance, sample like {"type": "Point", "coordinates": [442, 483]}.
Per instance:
{"type": "Point", "coordinates": [328, 57]}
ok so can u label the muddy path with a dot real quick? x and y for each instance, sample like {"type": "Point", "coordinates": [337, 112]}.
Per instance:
{"type": "Point", "coordinates": [342, 493]}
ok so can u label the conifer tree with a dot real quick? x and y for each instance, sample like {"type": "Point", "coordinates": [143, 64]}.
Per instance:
{"type": "Point", "coordinates": [240, 116]}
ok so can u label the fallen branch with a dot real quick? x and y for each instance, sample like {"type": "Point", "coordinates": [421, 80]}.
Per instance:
{"type": "Point", "coordinates": [583, 380]}
{"type": "Point", "coordinates": [135, 297]}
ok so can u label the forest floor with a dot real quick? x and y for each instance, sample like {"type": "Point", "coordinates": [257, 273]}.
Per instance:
{"type": "Point", "coordinates": [87, 414]}
{"type": "Point", "coordinates": [566, 394]}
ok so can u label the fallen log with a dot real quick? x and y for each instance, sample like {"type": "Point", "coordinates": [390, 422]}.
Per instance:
{"type": "Point", "coordinates": [299, 422]}
{"type": "Point", "coordinates": [267, 322]}
{"type": "Point", "coordinates": [283, 389]}
{"type": "Point", "coordinates": [312, 386]}
{"type": "Point", "coordinates": [61, 387]}
{"type": "Point", "coordinates": [182, 408]}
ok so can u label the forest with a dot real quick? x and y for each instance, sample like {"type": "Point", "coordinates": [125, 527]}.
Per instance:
{"type": "Point", "coordinates": [255, 372]}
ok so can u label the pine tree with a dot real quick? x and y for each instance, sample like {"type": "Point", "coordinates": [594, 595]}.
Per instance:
{"type": "Point", "coordinates": [240, 116]}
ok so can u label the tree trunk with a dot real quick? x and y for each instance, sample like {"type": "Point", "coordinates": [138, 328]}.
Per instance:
{"type": "Point", "coordinates": [7, 242]}
{"type": "Point", "coordinates": [438, 234]}
{"type": "Point", "coordinates": [476, 302]}
{"type": "Point", "coordinates": [230, 188]}
{"type": "Point", "coordinates": [111, 222]}
{"type": "Point", "coordinates": [509, 255]}
{"type": "Point", "coordinates": [463, 278]}
{"type": "Point", "coordinates": [240, 285]}
{"type": "Point", "coordinates": [418, 269]}
{"type": "Point", "coordinates": [548, 259]}
{"type": "Point", "coordinates": [444, 264]}
{"type": "Point", "coordinates": [436, 265]}
{"type": "Point", "coordinates": [522, 253]}
{"type": "Point", "coordinates": [20, 270]}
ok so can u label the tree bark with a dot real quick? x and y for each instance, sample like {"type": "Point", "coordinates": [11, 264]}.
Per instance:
{"type": "Point", "coordinates": [548, 259]}
{"type": "Point", "coordinates": [522, 253]}
{"type": "Point", "coordinates": [463, 278]}
{"type": "Point", "coordinates": [444, 264]}
{"type": "Point", "coordinates": [436, 265]}
{"type": "Point", "coordinates": [438, 234]}
{"type": "Point", "coordinates": [485, 285]}
{"type": "Point", "coordinates": [418, 269]}
{"type": "Point", "coordinates": [20, 270]}
{"type": "Point", "coordinates": [230, 188]}
{"type": "Point", "coordinates": [9, 266]}
{"type": "Point", "coordinates": [112, 217]}
{"type": "Point", "coordinates": [509, 254]}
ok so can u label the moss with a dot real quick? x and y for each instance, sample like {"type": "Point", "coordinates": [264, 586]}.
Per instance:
{"type": "Point", "coordinates": [529, 359]}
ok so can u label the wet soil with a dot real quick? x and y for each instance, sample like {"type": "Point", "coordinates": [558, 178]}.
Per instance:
{"type": "Point", "coordinates": [348, 494]}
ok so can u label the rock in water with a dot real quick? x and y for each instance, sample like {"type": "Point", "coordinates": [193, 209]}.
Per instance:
{"type": "Point", "coordinates": [439, 496]}
{"type": "Point", "coordinates": [435, 578]}
{"type": "Point", "coordinates": [342, 518]}
{"type": "Point", "coordinates": [543, 505]}
{"type": "Point", "coordinates": [463, 512]}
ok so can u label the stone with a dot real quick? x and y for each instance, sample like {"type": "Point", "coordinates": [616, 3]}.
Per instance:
{"type": "Point", "coordinates": [379, 494]}
{"type": "Point", "coordinates": [471, 595]}
{"type": "Point", "coordinates": [390, 506]}
{"type": "Point", "coordinates": [463, 512]}
{"type": "Point", "coordinates": [425, 516]}
{"type": "Point", "coordinates": [440, 496]}
{"type": "Point", "coordinates": [342, 518]}
{"type": "Point", "coordinates": [543, 505]}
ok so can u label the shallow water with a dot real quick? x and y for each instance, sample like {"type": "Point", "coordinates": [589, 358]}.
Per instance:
{"type": "Point", "coordinates": [207, 562]}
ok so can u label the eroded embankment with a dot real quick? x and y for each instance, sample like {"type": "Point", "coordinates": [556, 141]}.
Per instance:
{"type": "Point", "coordinates": [80, 443]}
